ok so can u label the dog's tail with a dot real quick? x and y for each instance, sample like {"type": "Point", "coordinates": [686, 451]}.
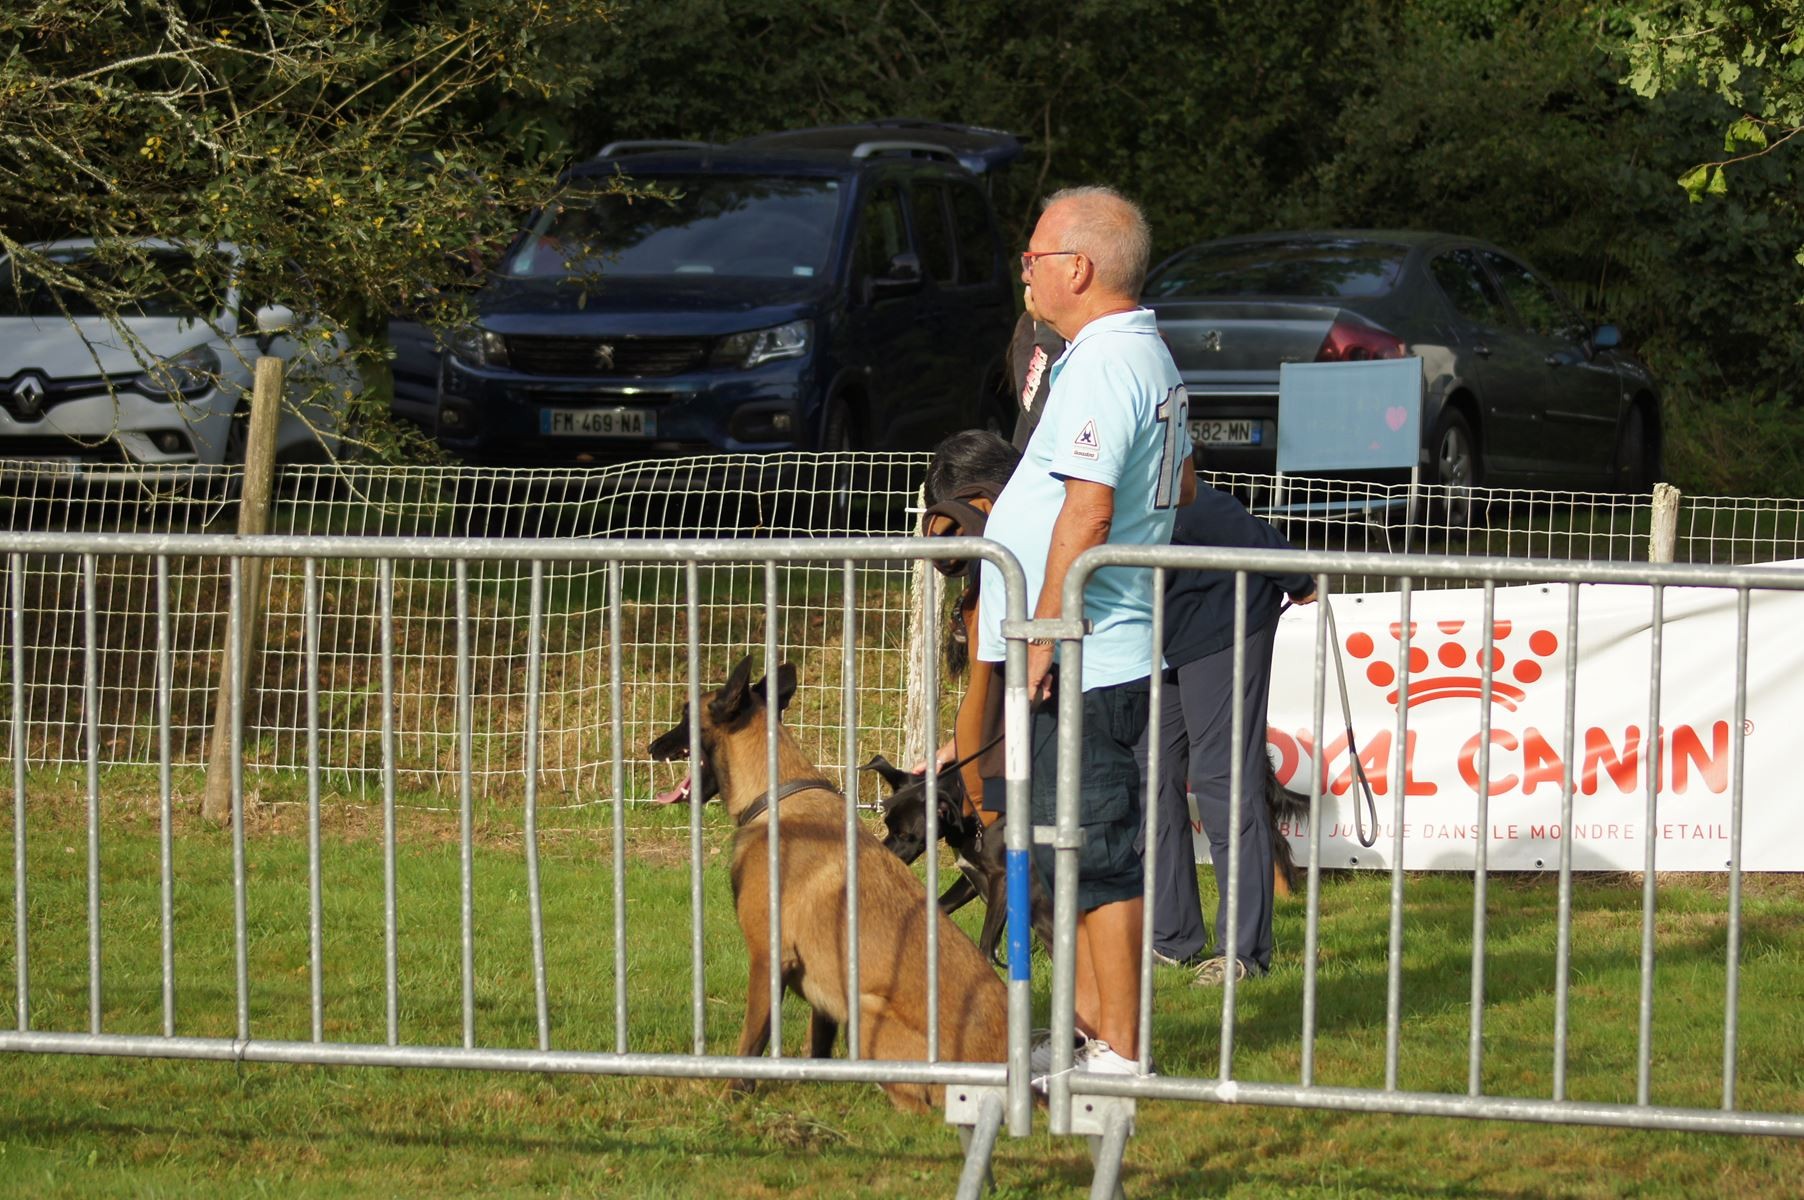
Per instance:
{"type": "Point", "coordinates": [1284, 805]}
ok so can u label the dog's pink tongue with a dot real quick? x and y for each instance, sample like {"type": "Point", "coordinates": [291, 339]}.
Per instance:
{"type": "Point", "coordinates": [679, 792]}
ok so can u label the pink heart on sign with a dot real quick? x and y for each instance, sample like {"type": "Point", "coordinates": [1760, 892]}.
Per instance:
{"type": "Point", "coordinates": [1395, 416]}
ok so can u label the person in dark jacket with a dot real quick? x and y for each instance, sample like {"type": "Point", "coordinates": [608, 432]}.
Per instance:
{"type": "Point", "coordinates": [1196, 741]}
{"type": "Point", "coordinates": [1032, 350]}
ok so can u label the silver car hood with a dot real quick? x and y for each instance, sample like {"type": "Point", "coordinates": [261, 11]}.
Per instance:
{"type": "Point", "coordinates": [74, 348]}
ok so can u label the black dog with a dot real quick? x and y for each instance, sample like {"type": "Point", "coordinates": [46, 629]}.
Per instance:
{"type": "Point", "coordinates": [980, 849]}
{"type": "Point", "coordinates": [981, 864]}
{"type": "Point", "coordinates": [1281, 805]}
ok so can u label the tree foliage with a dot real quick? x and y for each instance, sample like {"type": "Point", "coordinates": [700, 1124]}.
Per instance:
{"type": "Point", "coordinates": [1504, 119]}
{"type": "Point", "coordinates": [358, 152]}
{"type": "Point", "coordinates": [365, 140]}
{"type": "Point", "coordinates": [1749, 54]}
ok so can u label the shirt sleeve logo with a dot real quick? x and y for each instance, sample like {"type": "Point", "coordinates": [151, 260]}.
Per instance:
{"type": "Point", "coordinates": [1085, 444]}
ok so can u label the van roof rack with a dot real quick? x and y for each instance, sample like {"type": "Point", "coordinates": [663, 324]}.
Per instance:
{"type": "Point", "coordinates": [923, 149]}
{"type": "Point", "coordinates": [979, 150]}
{"type": "Point", "coordinates": [647, 146]}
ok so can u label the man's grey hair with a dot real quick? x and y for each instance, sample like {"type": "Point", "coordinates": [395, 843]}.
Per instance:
{"type": "Point", "coordinates": [1110, 230]}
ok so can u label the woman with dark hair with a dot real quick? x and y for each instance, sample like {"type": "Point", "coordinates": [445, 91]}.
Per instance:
{"type": "Point", "coordinates": [966, 475]}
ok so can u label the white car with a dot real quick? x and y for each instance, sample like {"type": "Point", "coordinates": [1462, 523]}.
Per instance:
{"type": "Point", "coordinates": [154, 389]}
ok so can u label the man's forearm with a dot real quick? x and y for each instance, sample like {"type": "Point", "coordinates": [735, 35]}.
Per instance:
{"type": "Point", "coordinates": [1083, 521]}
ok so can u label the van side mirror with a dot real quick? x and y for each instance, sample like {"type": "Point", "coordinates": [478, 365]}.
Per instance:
{"type": "Point", "coordinates": [902, 276]}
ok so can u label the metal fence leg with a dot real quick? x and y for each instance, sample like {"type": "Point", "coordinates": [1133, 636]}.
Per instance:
{"type": "Point", "coordinates": [977, 1111]}
{"type": "Point", "coordinates": [1106, 1122]}
{"type": "Point", "coordinates": [1106, 1150]}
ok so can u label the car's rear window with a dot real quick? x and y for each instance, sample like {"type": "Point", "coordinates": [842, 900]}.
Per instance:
{"type": "Point", "coordinates": [735, 225]}
{"type": "Point", "coordinates": [1311, 268]}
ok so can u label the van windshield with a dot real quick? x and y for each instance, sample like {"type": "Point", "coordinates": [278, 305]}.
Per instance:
{"type": "Point", "coordinates": [763, 226]}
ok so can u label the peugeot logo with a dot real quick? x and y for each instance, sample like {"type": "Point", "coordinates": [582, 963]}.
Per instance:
{"type": "Point", "coordinates": [604, 356]}
{"type": "Point", "coordinates": [1212, 340]}
{"type": "Point", "coordinates": [28, 395]}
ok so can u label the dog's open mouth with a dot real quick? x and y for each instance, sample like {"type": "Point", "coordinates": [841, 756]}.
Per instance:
{"type": "Point", "coordinates": [681, 790]}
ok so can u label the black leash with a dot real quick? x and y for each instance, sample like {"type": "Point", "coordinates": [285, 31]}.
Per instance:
{"type": "Point", "coordinates": [975, 754]}
{"type": "Point", "coordinates": [1359, 770]}
{"type": "Point", "coordinates": [1346, 710]}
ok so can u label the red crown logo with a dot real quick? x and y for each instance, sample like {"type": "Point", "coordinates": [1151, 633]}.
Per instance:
{"type": "Point", "coordinates": [1450, 653]}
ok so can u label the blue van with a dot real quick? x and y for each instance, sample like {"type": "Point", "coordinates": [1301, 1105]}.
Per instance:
{"type": "Point", "coordinates": [831, 289]}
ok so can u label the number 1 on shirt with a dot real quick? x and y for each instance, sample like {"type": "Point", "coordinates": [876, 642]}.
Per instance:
{"type": "Point", "coordinates": [1173, 412]}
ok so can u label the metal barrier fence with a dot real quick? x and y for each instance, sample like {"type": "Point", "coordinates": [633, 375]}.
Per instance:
{"type": "Point", "coordinates": [1102, 1105]}
{"type": "Point", "coordinates": [785, 496]}
{"type": "Point", "coordinates": [980, 1096]}
{"type": "Point", "coordinates": [975, 1090]}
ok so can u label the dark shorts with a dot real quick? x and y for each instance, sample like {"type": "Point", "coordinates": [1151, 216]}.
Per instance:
{"type": "Point", "coordinates": [1111, 797]}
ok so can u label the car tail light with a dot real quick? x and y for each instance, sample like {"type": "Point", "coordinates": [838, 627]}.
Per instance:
{"type": "Point", "coordinates": [1353, 339]}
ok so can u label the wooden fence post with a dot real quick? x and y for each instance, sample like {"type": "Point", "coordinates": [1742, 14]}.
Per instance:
{"type": "Point", "coordinates": [1663, 537]}
{"type": "Point", "coordinates": [253, 519]}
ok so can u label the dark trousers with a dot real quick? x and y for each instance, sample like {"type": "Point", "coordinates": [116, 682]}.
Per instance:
{"type": "Point", "coordinates": [1196, 736]}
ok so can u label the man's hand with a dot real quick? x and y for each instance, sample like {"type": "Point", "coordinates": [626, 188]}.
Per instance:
{"type": "Point", "coordinates": [1083, 521]}
{"type": "Point", "coordinates": [1039, 672]}
{"type": "Point", "coordinates": [944, 757]}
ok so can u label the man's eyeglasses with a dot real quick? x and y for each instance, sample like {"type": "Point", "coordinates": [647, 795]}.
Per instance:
{"type": "Point", "coordinates": [1028, 256]}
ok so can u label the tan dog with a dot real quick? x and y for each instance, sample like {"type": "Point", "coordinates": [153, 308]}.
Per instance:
{"type": "Point", "coordinates": [892, 903]}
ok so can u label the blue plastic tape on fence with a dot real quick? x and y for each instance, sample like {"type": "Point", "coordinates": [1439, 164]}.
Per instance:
{"type": "Point", "coordinates": [1020, 897]}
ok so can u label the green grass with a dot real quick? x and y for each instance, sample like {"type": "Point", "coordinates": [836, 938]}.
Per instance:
{"type": "Point", "coordinates": [98, 1127]}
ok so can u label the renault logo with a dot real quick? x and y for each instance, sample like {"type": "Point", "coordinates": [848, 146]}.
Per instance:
{"type": "Point", "coordinates": [28, 396]}
{"type": "Point", "coordinates": [604, 356]}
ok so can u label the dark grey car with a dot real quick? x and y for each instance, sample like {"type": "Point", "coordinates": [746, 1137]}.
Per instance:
{"type": "Point", "coordinates": [1518, 389]}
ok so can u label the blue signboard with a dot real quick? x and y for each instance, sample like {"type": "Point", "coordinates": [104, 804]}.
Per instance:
{"type": "Point", "coordinates": [1349, 416]}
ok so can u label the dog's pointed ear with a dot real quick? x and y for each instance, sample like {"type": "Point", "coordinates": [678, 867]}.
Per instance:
{"type": "Point", "coordinates": [952, 810]}
{"type": "Point", "coordinates": [786, 686]}
{"type": "Point", "coordinates": [893, 775]}
{"type": "Point", "coordinates": [730, 701]}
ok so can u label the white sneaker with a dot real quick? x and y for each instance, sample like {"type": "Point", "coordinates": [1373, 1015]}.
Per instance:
{"type": "Point", "coordinates": [1100, 1059]}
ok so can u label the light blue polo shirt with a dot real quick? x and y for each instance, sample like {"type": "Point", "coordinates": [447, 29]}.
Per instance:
{"type": "Point", "coordinates": [1115, 416]}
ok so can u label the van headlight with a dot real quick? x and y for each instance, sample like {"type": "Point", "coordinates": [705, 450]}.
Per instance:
{"type": "Point", "coordinates": [185, 375]}
{"type": "Point", "coordinates": [758, 346]}
{"type": "Point", "coordinates": [478, 347]}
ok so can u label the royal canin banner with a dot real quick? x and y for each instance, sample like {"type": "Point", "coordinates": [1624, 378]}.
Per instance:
{"type": "Point", "coordinates": [1611, 756]}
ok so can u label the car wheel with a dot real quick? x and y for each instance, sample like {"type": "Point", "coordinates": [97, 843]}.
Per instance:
{"type": "Point", "coordinates": [1633, 473]}
{"type": "Point", "coordinates": [837, 481]}
{"type": "Point", "coordinates": [1458, 471]}
{"type": "Point", "coordinates": [485, 503]}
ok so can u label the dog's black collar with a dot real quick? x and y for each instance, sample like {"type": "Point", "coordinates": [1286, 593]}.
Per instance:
{"type": "Point", "coordinates": [758, 806]}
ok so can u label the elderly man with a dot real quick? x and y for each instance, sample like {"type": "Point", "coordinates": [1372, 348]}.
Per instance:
{"type": "Point", "coordinates": [1108, 462]}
